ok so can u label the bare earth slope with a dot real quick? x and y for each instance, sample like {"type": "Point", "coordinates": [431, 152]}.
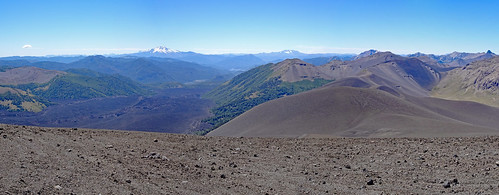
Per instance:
{"type": "Point", "coordinates": [478, 81]}
{"type": "Point", "coordinates": [360, 112]}
{"type": "Point", "coordinates": [292, 70]}
{"type": "Point", "coordinates": [24, 75]}
{"type": "Point", "coordinates": [408, 75]}
{"type": "Point", "coordinates": [63, 161]}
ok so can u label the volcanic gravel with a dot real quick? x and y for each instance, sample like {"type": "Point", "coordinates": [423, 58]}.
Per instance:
{"type": "Point", "coordinates": [36, 160]}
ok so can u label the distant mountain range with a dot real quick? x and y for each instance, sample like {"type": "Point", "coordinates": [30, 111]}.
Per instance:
{"type": "Point", "coordinates": [233, 62]}
{"type": "Point", "coordinates": [243, 62]}
{"type": "Point", "coordinates": [454, 58]}
{"type": "Point", "coordinates": [144, 70]}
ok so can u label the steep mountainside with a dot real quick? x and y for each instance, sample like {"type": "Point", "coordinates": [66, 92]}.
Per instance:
{"type": "Point", "coordinates": [478, 81]}
{"type": "Point", "coordinates": [361, 112]}
{"type": "Point", "coordinates": [407, 75]}
{"type": "Point", "coordinates": [365, 54]}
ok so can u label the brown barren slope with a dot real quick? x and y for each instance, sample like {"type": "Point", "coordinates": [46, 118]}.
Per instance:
{"type": "Point", "coordinates": [360, 112]}
{"type": "Point", "coordinates": [478, 81]}
{"type": "Point", "coordinates": [407, 75]}
{"type": "Point", "coordinates": [292, 70]}
{"type": "Point", "coordinates": [25, 75]}
{"type": "Point", "coordinates": [65, 161]}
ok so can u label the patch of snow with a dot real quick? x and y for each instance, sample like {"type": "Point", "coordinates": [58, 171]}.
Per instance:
{"type": "Point", "coordinates": [162, 49]}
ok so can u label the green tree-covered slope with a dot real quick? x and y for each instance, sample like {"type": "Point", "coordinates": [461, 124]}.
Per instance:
{"type": "Point", "coordinates": [250, 89]}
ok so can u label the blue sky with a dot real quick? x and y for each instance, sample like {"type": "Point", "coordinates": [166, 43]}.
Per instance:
{"type": "Point", "coordinates": [311, 26]}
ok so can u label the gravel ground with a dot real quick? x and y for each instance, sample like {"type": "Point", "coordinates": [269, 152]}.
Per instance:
{"type": "Point", "coordinates": [36, 160]}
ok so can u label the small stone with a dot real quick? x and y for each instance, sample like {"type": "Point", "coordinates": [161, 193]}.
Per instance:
{"type": "Point", "coordinates": [109, 146]}
{"type": "Point", "coordinates": [155, 140]}
{"type": "Point", "coordinates": [497, 163]}
{"type": "Point", "coordinates": [222, 176]}
{"type": "Point", "coordinates": [57, 187]}
{"type": "Point", "coordinates": [256, 155]}
{"type": "Point", "coordinates": [370, 182]}
{"type": "Point", "coordinates": [75, 129]}
{"type": "Point", "coordinates": [446, 184]}
{"type": "Point", "coordinates": [69, 150]}
{"type": "Point", "coordinates": [4, 136]}
{"type": "Point", "coordinates": [348, 166]}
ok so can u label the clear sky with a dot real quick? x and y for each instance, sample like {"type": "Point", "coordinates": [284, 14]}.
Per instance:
{"type": "Point", "coordinates": [52, 27]}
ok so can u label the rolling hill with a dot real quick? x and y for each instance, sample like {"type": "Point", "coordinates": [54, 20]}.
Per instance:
{"type": "Point", "coordinates": [384, 70]}
{"type": "Point", "coordinates": [261, 84]}
{"type": "Point", "coordinates": [32, 89]}
{"type": "Point", "coordinates": [145, 70]}
{"type": "Point", "coordinates": [361, 112]}
{"type": "Point", "coordinates": [380, 95]}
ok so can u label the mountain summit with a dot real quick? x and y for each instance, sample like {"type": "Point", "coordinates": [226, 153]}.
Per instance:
{"type": "Point", "coordinates": [366, 53]}
{"type": "Point", "coordinates": [162, 49]}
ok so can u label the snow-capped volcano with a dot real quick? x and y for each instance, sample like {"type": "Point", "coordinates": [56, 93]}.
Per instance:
{"type": "Point", "coordinates": [289, 51]}
{"type": "Point", "coordinates": [162, 49]}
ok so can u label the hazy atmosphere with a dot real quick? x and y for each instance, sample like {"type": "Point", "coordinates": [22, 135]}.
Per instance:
{"type": "Point", "coordinates": [34, 28]}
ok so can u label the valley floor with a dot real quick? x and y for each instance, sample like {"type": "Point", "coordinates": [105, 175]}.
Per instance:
{"type": "Point", "coordinates": [82, 161]}
{"type": "Point", "coordinates": [169, 111]}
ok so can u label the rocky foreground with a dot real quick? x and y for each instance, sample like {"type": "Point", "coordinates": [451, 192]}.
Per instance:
{"type": "Point", "coordinates": [36, 160]}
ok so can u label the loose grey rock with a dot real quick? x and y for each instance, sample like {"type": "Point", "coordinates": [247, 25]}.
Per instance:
{"type": "Point", "coordinates": [446, 184]}
{"type": "Point", "coordinates": [370, 182]}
